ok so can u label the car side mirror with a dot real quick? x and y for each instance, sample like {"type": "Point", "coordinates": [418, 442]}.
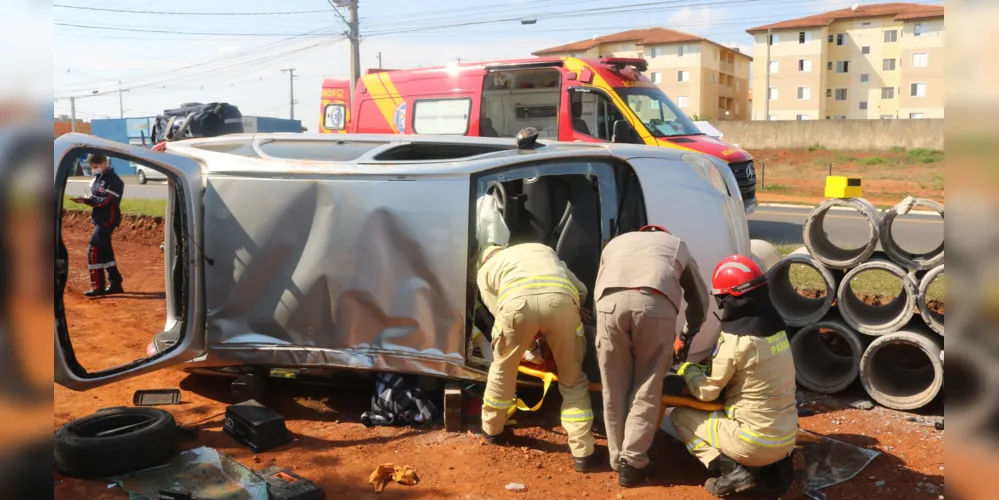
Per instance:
{"type": "Point", "coordinates": [623, 132]}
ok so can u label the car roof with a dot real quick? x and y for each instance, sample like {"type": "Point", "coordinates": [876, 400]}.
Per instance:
{"type": "Point", "coordinates": [393, 154]}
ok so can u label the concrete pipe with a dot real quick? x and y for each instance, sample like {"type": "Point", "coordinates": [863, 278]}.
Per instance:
{"type": "Point", "coordinates": [830, 254]}
{"type": "Point", "coordinates": [764, 254]}
{"type": "Point", "coordinates": [795, 308]}
{"type": "Point", "coordinates": [877, 319]}
{"type": "Point", "coordinates": [827, 355]}
{"type": "Point", "coordinates": [973, 398]}
{"type": "Point", "coordinates": [932, 318]}
{"type": "Point", "coordinates": [905, 258]}
{"type": "Point", "coordinates": [902, 370]}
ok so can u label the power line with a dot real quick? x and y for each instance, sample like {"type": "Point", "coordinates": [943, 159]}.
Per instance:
{"type": "Point", "coordinates": [164, 13]}
{"type": "Point", "coordinates": [171, 32]}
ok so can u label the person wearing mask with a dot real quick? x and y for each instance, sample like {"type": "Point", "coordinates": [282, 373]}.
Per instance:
{"type": "Point", "coordinates": [752, 442]}
{"type": "Point", "coordinates": [104, 197]}
{"type": "Point", "coordinates": [528, 289]}
{"type": "Point", "coordinates": [642, 277]}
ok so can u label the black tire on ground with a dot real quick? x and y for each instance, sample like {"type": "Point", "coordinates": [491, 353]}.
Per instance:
{"type": "Point", "coordinates": [141, 177]}
{"type": "Point", "coordinates": [115, 441]}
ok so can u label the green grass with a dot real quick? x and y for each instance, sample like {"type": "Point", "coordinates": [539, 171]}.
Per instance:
{"type": "Point", "coordinates": [816, 147]}
{"type": "Point", "coordinates": [898, 149]}
{"type": "Point", "coordinates": [874, 283]}
{"type": "Point", "coordinates": [873, 160]}
{"type": "Point", "coordinates": [776, 188]}
{"type": "Point", "coordinates": [923, 155]}
{"type": "Point", "coordinates": [156, 208]}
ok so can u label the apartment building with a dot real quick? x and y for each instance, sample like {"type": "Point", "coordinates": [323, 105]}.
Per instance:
{"type": "Point", "coordinates": [882, 61]}
{"type": "Point", "coordinates": [708, 81]}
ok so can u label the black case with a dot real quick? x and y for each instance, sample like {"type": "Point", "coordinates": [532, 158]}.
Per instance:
{"type": "Point", "coordinates": [283, 484]}
{"type": "Point", "coordinates": [255, 425]}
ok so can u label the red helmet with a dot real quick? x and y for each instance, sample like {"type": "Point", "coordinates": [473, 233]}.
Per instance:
{"type": "Point", "coordinates": [652, 228]}
{"type": "Point", "coordinates": [736, 275]}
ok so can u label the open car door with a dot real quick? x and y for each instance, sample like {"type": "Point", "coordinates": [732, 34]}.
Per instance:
{"type": "Point", "coordinates": [183, 262]}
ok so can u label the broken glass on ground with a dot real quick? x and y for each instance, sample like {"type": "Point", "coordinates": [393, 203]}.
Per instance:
{"type": "Point", "coordinates": [203, 472]}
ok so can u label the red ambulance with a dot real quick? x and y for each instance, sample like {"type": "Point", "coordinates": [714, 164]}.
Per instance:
{"type": "Point", "coordinates": [565, 98]}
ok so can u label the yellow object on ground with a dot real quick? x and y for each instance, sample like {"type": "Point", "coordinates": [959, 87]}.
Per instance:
{"type": "Point", "coordinates": [838, 186]}
{"type": "Point", "coordinates": [386, 473]}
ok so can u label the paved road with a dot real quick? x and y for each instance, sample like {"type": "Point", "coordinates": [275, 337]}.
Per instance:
{"type": "Point", "coordinates": [914, 232]}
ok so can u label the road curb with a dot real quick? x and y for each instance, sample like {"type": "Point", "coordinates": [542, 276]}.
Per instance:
{"type": "Point", "coordinates": [834, 209]}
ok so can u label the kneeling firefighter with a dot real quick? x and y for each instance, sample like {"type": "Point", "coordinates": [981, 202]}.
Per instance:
{"type": "Point", "coordinates": [528, 289]}
{"type": "Point", "coordinates": [752, 441]}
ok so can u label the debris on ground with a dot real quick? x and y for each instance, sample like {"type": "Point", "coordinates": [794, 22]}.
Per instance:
{"type": "Point", "coordinates": [386, 473]}
{"type": "Point", "coordinates": [862, 404]}
{"type": "Point", "coordinates": [203, 472]}
{"type": "Point", "coordinates": [516, 487]}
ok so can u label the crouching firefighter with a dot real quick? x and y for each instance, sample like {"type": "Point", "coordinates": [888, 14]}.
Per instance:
{"type": "Point", "coordinates": [104, 198]}
{"type": "Point", "coordinates": [529, 290]}
{"type": "Point", "coordinates": [752, 441]}
{"type": "Point", "coordinates": [638, 292]}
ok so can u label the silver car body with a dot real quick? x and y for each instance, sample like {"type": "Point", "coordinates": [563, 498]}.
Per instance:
{"type": "Point", "coordinates": [351, 251]}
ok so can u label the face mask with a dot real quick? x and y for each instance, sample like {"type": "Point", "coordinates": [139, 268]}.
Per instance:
{"type": "Point", "coordinates": [97, 171]}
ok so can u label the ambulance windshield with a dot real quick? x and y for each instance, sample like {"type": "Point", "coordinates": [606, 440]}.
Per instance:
{"type": "Point", "coordinates": [657, 112]}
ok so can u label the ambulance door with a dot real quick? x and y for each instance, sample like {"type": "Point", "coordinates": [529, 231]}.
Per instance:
{"type": "Point", "coordinates": [98, 350]}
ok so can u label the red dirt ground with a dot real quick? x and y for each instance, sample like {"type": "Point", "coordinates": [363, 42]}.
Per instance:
{"type": "Point", "coordinates": [336, 451]}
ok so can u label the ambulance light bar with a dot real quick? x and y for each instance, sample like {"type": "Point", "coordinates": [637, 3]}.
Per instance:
{"type": "Point", "coordinates": [619, 63]}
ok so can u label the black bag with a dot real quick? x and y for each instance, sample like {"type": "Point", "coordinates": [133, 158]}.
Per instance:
{"type": "Point", "coordinates": [197, 120]}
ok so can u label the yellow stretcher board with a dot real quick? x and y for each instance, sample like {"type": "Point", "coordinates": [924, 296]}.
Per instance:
{"type": "Point", "coordinates": [667, 400]}
{"type": "Point", "coordinates": [839, 186]}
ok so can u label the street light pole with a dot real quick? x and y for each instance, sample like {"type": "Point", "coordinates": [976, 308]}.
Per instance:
{"type": "Point", "coordinates": [766, 91]}
{"type": "Point", "coordinates": [355, 48]}
{"type": "Point", "coordinates": [291, 89]}
{"type": "Point", "coordinates": [72, 114]}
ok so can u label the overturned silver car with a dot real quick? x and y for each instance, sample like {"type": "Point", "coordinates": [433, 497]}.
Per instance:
{"type": "Point", "coordinates": [298, 251]}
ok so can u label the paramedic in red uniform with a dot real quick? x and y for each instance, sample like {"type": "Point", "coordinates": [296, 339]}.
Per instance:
{"type": "Point", "coordinates": [104, 197]}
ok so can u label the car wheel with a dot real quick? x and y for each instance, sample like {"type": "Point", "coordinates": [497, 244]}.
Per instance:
{"type": "Point", "coordinates": [141, 176]}
{"type": "Point", "coordinates": [115, 441]}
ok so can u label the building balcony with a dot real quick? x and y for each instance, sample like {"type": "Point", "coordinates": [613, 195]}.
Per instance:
{"type": "Point", "coordinates": [727, 67]}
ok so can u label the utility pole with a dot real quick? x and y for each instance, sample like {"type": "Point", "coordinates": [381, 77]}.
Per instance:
{"type": "Point", "coordinates": [291, 89]}
{"type": "Point", "coordinates": [72, 114]}
{"type": "Point", "coordinates": [355, 48]}
{"type": "Point", "coordinates": [766, 91]}
{"type": "Point", "coordinates": [121, 104]}
{"type": "Point", "coordinates": [379, 60]}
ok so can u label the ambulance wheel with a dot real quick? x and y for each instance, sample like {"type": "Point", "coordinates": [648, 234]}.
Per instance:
{"type": "Point", "coordinates": [115, 441]}
{"type": "Point", "coordinates": [452, 407]}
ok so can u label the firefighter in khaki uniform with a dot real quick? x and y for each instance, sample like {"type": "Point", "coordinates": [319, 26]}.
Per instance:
{"type": "Point", "coordinates": [529, 290]}
{"type": "Point", "coordinates": [638, 291]}
{"type": "Point", "coordinates": [752, 441]}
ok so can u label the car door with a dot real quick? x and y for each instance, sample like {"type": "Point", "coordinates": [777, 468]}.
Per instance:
{"type": "Point", "coordinates": [183, 264]}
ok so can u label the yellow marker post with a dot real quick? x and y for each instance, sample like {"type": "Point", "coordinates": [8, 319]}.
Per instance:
{"type": "Point", "coordinates": [839, 186]}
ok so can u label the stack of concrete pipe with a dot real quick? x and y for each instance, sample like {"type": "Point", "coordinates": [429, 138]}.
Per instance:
{"type": "Point", "coordinates": [897, 354]}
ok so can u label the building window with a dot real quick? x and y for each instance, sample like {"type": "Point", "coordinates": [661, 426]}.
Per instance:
{"type": "Point", "coordinates": [655, 52]}
{"type": "Point", "coordinates": [829, 65]}
{"type": "Point", "coordinates": [682, 101]}
{"type": "Point", "coordinates": [863, 104]}
{"type": "Point", "coordinates": [804, 93]}
{"type": "Point", "coordinates": [804, 65]}
{"type": "Point", "coordinates": [656, 77]}
{"type": "Point", "coordinates": [803, 117]}
{"type": "Point", "coordinates": [828, 92]}
{"type": "Point", "coordinates": [891, 36]}
{"type": "Point", "coordinates": [441, 116]}
{"type": "Point", "coordinates": [888, 65]}
{"type": "Point", "coordinates": [920, 59]}
{"type": "Point", "coordinates": [841, 39]}
{"type": "Point", "coordinates": [917, 90]}
{"type": "Point", "coordinates": [683, 76]}
{"type": "Point", "coordinates": [865, 78]}
{"type": "Point", "coordinates": [714, 77]}
{"type": "Point", "coordinates": [887, 92]}
{"type": "Point", "coordinates": [917, 29]}
{"type": "Point", "coordinates": [831, 38]}
{"type": "Point", "coordinates": [804, 36]}
{"type": "Point", "coordinates": [772, 118]}
{"type": "Point", "coordinates": [840, 94]}
{"type": "Point", "coordinates": [774, 39]}
{"type": "Point", "coordinates": [839, 117]}
{"type": "Point", "coordinates": [773, 93]}
{"type": "Point", "coordinates": [774, 66]}
{"type": "Point", "coordinates": [887, 117]}
{"type": "Point", "coordinates": [865, 50]}
{"type": "Point", "coordinates": [680, 50]}
{"type": "Point", "coordinates": [915, 116]}
{"type": "Point", "coordinates": [842, 66]}
{"type": "Point", "coordinates": [865, 24]}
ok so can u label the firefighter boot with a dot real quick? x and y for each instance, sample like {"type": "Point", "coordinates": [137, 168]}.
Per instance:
{"type": "Point", "coordinates": [786, 478]}
{"type": "Point", "coordinates": [628, 476]}
{"type": "Point", "coordinates": [735, 478]}
{"type": "Point", "coordinates": [589, 463]}
{"type": "Point", "coordinates": [500, 439]}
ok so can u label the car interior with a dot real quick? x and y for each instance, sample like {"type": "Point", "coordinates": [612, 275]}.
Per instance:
{"type": "Point", "coordinates": [515, 99]}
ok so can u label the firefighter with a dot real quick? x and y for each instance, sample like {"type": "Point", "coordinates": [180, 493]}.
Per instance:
{"type": "Point", "coordinates": [529, 290]}
{"type": "Point", "coordinates": [752, 441]}
{"type": "Point", "coordinates": [104, 196]}
{"type": "Point", "coordinates": [638, 290]}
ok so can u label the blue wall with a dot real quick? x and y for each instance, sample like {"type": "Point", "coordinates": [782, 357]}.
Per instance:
{"type": "Point", "coordinates": [113, 129]}
{"type": "Point", "coordinates": [266, 124]}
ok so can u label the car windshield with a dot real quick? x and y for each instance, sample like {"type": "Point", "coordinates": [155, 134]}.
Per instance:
{"type": "Point", "coordinates": [657, 112]}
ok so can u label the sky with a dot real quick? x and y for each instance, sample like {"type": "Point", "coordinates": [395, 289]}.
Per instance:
{"type": "Point", "coordinates": [168, 54]}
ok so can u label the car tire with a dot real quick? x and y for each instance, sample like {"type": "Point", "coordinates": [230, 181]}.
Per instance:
{"type": "Point", "coordinates": [147, 437]}
{"type": "Point", "coordinates": [141, 176]}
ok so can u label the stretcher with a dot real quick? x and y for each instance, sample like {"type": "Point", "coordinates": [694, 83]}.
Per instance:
{"type": "Point", "coordinates": [668, 400]}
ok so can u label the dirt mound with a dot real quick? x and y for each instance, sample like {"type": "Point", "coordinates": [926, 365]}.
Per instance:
{"type": "Point", "coordinates": [139, 229]}
{"type": "Point", "coordinates": [935, 305]}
